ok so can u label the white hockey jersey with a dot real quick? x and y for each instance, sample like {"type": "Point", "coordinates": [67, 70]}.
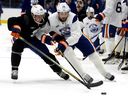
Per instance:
{"type": "Point", "coordinates": [91, 28]}
{"type": "Point", "coordinates": [70, 29]}
{"type": "Point", "coordinates": [124, 10]}
{"type": "Point", "coordinates": [41, 31]}
{"type": "Point", "coordinates": [113, 12]}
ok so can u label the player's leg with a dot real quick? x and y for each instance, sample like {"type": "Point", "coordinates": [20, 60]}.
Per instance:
{"type": "Point", "coordinates": [45, 50]}
{"type": "Point", "coordinates": [102, 48]}
{"type": "Point", "coordinates": [71, 57]}
{"type": "Point", "coordinates": [17, 49]}
{"type": "Point", "coordinates": [126, 54]}
{"type": "Point", "coordinates": [120, 46]}
{"type": "Point", "coordinates": [109, 32]}
{"type": "Point", "coordinates": [88, 50]}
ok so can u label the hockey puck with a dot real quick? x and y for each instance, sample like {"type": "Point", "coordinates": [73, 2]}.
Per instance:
{"type": "Point", "coordinates": [103, 93]}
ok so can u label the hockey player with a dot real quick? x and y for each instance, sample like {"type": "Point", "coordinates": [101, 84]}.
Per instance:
{"type": "Point", "coordinates": [67, 32]}
{"type": "Point", "coordinates": [24, 26]}
{"type": "Point", "coordinates": [112, 16]}
{"type": "Point", "coordinates": [125, 30]}
{"type": "Point", "coordinates": [27, 5]}
{"type": "Point", "coordinates": [90, 26]}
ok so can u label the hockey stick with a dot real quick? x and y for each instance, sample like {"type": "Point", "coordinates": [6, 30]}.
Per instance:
{"type": "Point", "coordinates": [113, 50]}
{"type": "Point", "coordinates": [99, 45]}
{"type": "Point", "coordinates": [120, 65]}
{"type": "Point", "coordinates": [95, 35]}
{"type": "Point", "coordinates": [95, 84]}
{"type": "Point", "coordinates": [85, 84]}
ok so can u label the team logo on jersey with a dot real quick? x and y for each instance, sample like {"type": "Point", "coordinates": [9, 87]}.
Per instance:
{"type": "Point", "coordinates": [65, 31]}
{"type": "Point", "coordinates": [93, 28]}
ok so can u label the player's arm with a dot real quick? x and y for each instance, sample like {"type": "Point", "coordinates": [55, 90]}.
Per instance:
{"type": "Point", "coordinates": [110, 4]}
{"type": "Point", "coordinates": [75, 32]}
{"type": "Point", "coordinates": [42, 34]}
{"type": "Point", "coordinates": [14, 26]}
{"type": "Point", "coordinates": [85, 28]}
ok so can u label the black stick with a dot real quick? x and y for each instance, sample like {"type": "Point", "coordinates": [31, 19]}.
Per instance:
{"type": "Point", "coordinates": [85, 84]}
{"type": "Point", "coordinates": [120, 65]}
{"type": "Point", "coordinates": [114, 50]}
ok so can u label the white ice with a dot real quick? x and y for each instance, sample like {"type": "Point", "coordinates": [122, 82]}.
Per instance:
{"type": "Point", "coordinates": [37, 79]}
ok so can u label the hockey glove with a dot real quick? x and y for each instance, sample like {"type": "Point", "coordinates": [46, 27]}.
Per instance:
{"type": "Point", "coordinates": [56, 37]}
{"type": "Point", "coordinates": [62, 45]}
{"type": "Point", "coordinates": [47, 39]}
{"type": "Point", "coordinates": [100, 17]}
{"type": "Point", "coordinates": [16, 31]}
{"type": "Point", "coordinates": [125, 25]}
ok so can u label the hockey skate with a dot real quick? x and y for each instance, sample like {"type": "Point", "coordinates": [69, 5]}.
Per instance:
{"type": "Point", "coordinates": [117, 58]}
{"type": "Point", "coordinates": [109, 59]}
{"type": "Point", "coordinates": [88, 78]}
{"type": "Point", "coordinates": [101, 51]}
{"type": "Point", "coordinates": [63, 75]}
{"type": "Point", "coordinates": [124, 62]}
{"type": "Point", "coordinates": [110, 56]}
{"type": "Point", "coordinates": [90, 82]}
{"type": "Point", "coordinates": [116, 61]}
{"type": "Point", "coordinates": [14, 74]}
{"type": "Point", "coordinates": [109, 77]}
{"type": "Point", "coordinates": [125, 68]}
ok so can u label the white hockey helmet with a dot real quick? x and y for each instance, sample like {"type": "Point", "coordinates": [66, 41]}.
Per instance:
{"type": "Point", "coordinates": [63, 7]}
{"type": "Point", "coordinates": [90, 9]}
{"type": "Point", "coordinates": [37, 10]}
{"type": "Point", "coordinates": [34, 2]}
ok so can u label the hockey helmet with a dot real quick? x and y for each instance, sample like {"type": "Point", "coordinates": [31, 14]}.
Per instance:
{"type": "Point", "coordinates": [90, 9]}
{"type": "Point", "coordinates": [63, 7]}
{"type": "Point", "coordinates": [33, 2]}
{"type": "Point", "coordinates": [38, 13]}
{"type": "Point", "coordinates": [37, 10]}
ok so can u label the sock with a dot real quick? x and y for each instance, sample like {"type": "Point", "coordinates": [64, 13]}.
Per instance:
{"type": "Point", "coordinates": [70, 55]}
{"type": "Point", "coordinates": [109, 43]}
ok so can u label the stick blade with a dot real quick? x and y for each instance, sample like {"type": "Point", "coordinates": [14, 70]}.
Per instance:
{"type": "Point", "coordinates": [96, 84]}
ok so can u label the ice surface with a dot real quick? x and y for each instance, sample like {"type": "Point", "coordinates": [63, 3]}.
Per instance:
{"type": "Point", "coordinates": [37, 79]}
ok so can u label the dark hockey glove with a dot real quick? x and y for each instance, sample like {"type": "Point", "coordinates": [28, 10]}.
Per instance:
{"type": "Point", "coordinates": [100, 17]}
{"type": "Point", "coordinates": [16, 31]}
{"type": "Point", "coordinates": [125, 25]}
{"type": "Point", "coordinates": [47, 39]}
{"type": "Point", "coordinates": [62, 45]}
{"type": "Point", "coordinates": [56, 37]}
